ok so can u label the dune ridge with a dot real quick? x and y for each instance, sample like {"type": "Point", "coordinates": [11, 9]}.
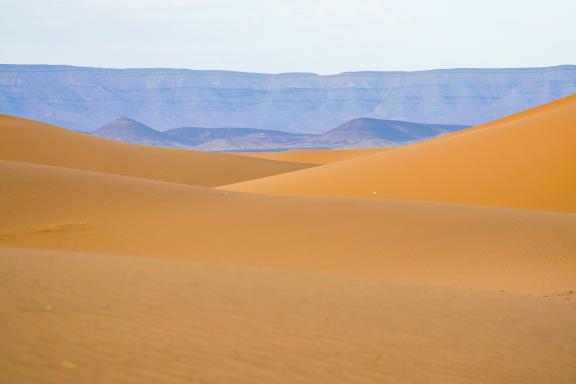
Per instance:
{"type": "Point", "coordinates": [313, 156]}
{"type": "Point", "coordinates": [489, 248]}
{"type": "Point", "coordinates": [34, 142]}
{"type": "Point", "coordinates": [527, 160]}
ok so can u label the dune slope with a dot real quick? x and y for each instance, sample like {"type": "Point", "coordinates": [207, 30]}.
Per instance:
{"type": "Point", "coordinates": [488, 248]}
{"type": "Point", "coordinates": [527, 160]}
{"type": "Point", "coordinates": [35, 142]}
{"type": "Point", "coordinates": [313, 156]}
{"type": "Point", "coordinates": [89, 318]}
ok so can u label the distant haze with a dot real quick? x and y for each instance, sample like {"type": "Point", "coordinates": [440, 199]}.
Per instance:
{"type": "Point", "coordinates": [323, 36]}
{"type": "Point", "coordinates": [87, 98]}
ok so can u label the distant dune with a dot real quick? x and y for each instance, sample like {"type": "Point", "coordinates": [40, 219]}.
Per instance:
{"type": "Point", "coordinates": [527, 160]}
{"type": "Point", "coordinates": [313, 156]}
{"type": "Point", "coordinates": [35, 142]}
{"type": "Point", "coordinates": [465, 246]}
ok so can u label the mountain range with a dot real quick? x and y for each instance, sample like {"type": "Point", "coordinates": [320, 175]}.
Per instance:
{"type": "Point", "coordinates": [213, 139]}
{"type": "Point", "coordinates": [362, 132]}
{"type": "Point", "coordinates": [83, 98]}
{"type": "Point", "coordinates": [131, 131]}
{"type": "Point", "coordinates": [369, 132]}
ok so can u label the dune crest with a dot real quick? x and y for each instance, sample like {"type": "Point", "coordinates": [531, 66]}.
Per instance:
{"type": "Point", "coordinates": [313, 156]}
{"type": "Point", "coordinates": [34, 142]}
{"type": "Point", "coordinates": [464, 246]}
{"type": "Point", "coordinates": [527, 160]}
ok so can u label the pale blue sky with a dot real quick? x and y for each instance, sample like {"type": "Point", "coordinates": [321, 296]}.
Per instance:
{"type": "Point", "coordinates": [324, 36]}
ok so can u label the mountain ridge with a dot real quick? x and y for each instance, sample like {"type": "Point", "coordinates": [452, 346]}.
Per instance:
{"type": "Point", "coordinates": [132, 131]}
{"type": "Point", "coordinates": [84, 97]}
{"type": "Point", "coordinates": [361, 132]}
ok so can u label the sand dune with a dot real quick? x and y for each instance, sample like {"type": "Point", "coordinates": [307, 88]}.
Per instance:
{"type": "Point", "coordinates": [119, 265]}
{"type": "Point", "coordinates": [35, 142]}
{"type": "Point", "coordinates": [89, 318]}
{"type": "Point", "coordinates": [527, 160]}
{"type": "Point", "coordinates": [464, 246]}
{"type": "Point", "coordinates": [313, 156]}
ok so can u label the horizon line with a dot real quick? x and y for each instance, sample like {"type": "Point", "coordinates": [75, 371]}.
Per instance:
{"type": "Point", "coordinates": [488, 69]}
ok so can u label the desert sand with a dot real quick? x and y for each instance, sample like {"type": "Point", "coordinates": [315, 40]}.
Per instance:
{"type": "Point", "coordinates": [526, 160]}
{"type": "Point", "coordinates": [35, 142]}
{"type": "Point", "coordinates": [313, 156]}
{"type": "Point", "coordinates": [448, 261]}
{"type": "Point", "coordinates": [89, 318]}
{"type": "Point", "coordinates": [476, 247]}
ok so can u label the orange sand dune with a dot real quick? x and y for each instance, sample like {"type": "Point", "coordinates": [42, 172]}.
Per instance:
{"type": "Point", "coordinates": [35, 142]}
{"type": "Point", "coordinates": [526, 161]}
{"type": "Point", "coordinates": [89, 318]}
{"type": "Point", "coordinates": [463, 246]}
{"type": "Point", "coordinates": [313, 156]}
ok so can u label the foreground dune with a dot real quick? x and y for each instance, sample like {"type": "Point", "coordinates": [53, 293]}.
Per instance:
{"type": "Point", "coordinates": [313, 156]}
{"type": "Point", "coordinates": [463, 246]}
{"type": "Point", "coordinates": [527, 160]}
{"type": "Point", "coordinates": [89, 318]}
{"type": "Point", "coordinates": [35, 142]}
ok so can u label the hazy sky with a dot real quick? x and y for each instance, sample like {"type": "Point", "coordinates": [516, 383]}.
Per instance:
{"type": "Point", "coordinates": [324, 36]}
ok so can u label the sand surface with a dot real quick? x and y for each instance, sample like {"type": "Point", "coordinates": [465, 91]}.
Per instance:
{"type": "Point", "coordinates": [88, 318]}
{"type": "Point", "coordinates": [313, 156]}
{"type": "Point", "coordinates": [526, 161]}
{"type": "Point", "coordinates": [489, 248]}
{"type": "Point", "coordinates": [121, 264]}
{"type": "Point", "coordinates": [35, 142]}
